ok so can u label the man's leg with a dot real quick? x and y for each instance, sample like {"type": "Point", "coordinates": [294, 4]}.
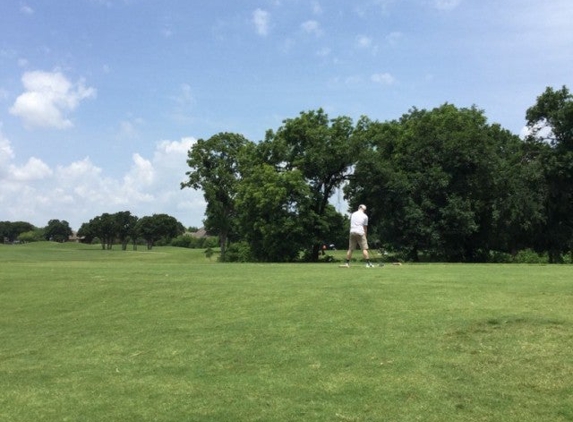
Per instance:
{"type": "Point", "coordinates": [349, 251]}
{"type": "Point", "coordinates": [364, 247]}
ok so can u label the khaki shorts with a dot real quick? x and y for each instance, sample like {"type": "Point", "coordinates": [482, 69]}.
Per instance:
{"type": "Point", "coordinates": [357, 239]}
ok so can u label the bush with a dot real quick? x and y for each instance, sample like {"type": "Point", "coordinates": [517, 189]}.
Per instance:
{"type": "Point", "coordinates": [529, 256]}
{"type": "Point", "coordinates": [182, 241]}
{"type": "Point", "coordinates": [238, 252]}
{"type": "Point", "coordinates": [31, 236]}
{"type": "Point", "coordinates": [186, 241]}
{"type": "Point", "coordinates": [498, 257]}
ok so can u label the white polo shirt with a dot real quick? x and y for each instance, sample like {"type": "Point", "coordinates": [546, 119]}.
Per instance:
{"type": "Point", "coordinates": [357, 222]}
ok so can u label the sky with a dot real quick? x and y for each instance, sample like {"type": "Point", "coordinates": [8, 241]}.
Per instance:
{"type": "Point", "coordinates": [100, 100]}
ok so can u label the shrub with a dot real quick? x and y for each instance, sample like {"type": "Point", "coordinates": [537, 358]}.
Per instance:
{"type": "Point", "coordinates": [529, 256]}
{"type": "Point", "coordinates": [238, 252]}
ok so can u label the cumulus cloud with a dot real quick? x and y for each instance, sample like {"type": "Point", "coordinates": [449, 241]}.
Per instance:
{"type": "Point", "coordinates": [47, 98]}
{"type": "Point", "coordinates": [79, 191]}
{"type": "Point", "coordinates": [6, 156]}
{"type": "Point", "coordinates": [261, 20]}
{"type": "Point", "coordinates": [34, 169]}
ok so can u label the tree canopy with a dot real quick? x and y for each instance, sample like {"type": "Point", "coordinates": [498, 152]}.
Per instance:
{"type": "Point", "coordinates": [443, 183]}
{"type": "Point", "coordinates": [214, 167]}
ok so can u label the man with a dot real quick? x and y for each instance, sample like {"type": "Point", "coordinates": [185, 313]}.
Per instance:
{"type": "Point", "coordinates": [358, 231]}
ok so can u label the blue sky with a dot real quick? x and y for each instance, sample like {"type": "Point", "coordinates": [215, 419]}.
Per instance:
{"type": "Point", "coordinates": [101, 99]}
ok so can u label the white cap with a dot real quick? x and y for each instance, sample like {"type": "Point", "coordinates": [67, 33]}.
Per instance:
{"type": "Point", "coordinates": [362, 207]}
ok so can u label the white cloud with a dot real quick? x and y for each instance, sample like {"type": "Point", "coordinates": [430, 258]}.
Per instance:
{"type": "Point", "coordinates": [141, 174]}
{"type": "Point", "coordinates": [47, 98]}
{"type": "Point", "coordinates": [79, 191]}
{"type": "Point", "coordinates": [34, 169]}
{"type": "Point", "coordinates": [6, 156]}
{"type": "Point", "coordinates": [261, 19]}
{"type": "Point", "coordinates": [382, 78]}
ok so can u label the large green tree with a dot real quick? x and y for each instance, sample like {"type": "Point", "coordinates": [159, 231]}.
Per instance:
{"type": "Point", "coordinates": [432, 179]}
{"type": "Point", "coordinates": [214, 167]}
{"type": "Point", "coordinates": [58, 230]}
{"type": "Point", "coordinates": [272, 212]}
{"type": "Point", "coordinates": [157, 227]}
{"type": "Point", "coordinates": [126, 227]}
{"type": "Point", "coordinates": [322, 151]}
{"type": "Point", "coordinates": [550, 122]}
{"type": "Point", "coordinates": [10, 230]}
{"type": "Point", "coordinates": [104, 227]}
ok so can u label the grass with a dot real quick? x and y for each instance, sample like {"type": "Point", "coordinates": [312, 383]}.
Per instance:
{"type": "Point", "coordinates": [168, 335]}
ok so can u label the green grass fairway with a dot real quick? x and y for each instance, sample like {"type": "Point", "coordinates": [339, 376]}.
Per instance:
{"type": "Point", "coordinates": [168, 335]}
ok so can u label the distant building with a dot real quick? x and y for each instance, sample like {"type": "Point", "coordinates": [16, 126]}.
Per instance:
{"type": "Point", "coordinates": [198, 234]}
{"type": "Point", "coordinates": [74, 237]}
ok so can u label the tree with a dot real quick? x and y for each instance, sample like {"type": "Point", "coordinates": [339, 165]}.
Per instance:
{"type": "Point", "coordinates": [31, 236]}
{"type": "Point", "coordinates": [517, 209]}
{"type": "Point", "coordinates": [214, 167]}
{"type": "Point", "coordinates": [550, 122]}
{"type": "Point", "coordinates": [104, 227]}
{"type": "Point", "coordinates": [125, 224]}
{"type": "Point", "coordinates": [272, 209]}
{"type": "Point", "coordinates": [86, 232]}
{"type": "Point", "coordinates": [432, 179]}
{"type": "Point", "coordinates": [323, 151]}
{"type": "Point", "coordinates": [10, 230]}
{"type": "Point", "coordinates": [57, 231]}
{"type": "Point", "coordinates": [159, 226]}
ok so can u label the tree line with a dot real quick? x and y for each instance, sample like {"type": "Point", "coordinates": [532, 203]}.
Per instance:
{"type": "Point", "coordinates": [440, 184]}
{"type": "Point", "coordinates": [22, 231]}
{"type": "Point", "coordinates": [107, 229]}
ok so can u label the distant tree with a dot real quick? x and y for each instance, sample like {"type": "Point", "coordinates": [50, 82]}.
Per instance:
{"type": "Point", "coordinates": [104, 227]}
{"type": "Point", "coordinates": [134, 233]}
{"type": "Point", "coordinates": [10, 230]}
{"type": "Point", "coordinates": [214, 167]}
{"type": "Point", "coordinates": [31, 236]}
{"type": "Point", "coordinates": [86, 233]}
{"type": "Point", "coordinates": [57, 231]}
{"type": "Point", "coordinates": [159, 226]}
{"type": "Point", "coordinates": [125, 224]}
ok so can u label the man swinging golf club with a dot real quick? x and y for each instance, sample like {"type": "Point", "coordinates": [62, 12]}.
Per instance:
{"type": "Point", "coordinates": [357, 236]}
